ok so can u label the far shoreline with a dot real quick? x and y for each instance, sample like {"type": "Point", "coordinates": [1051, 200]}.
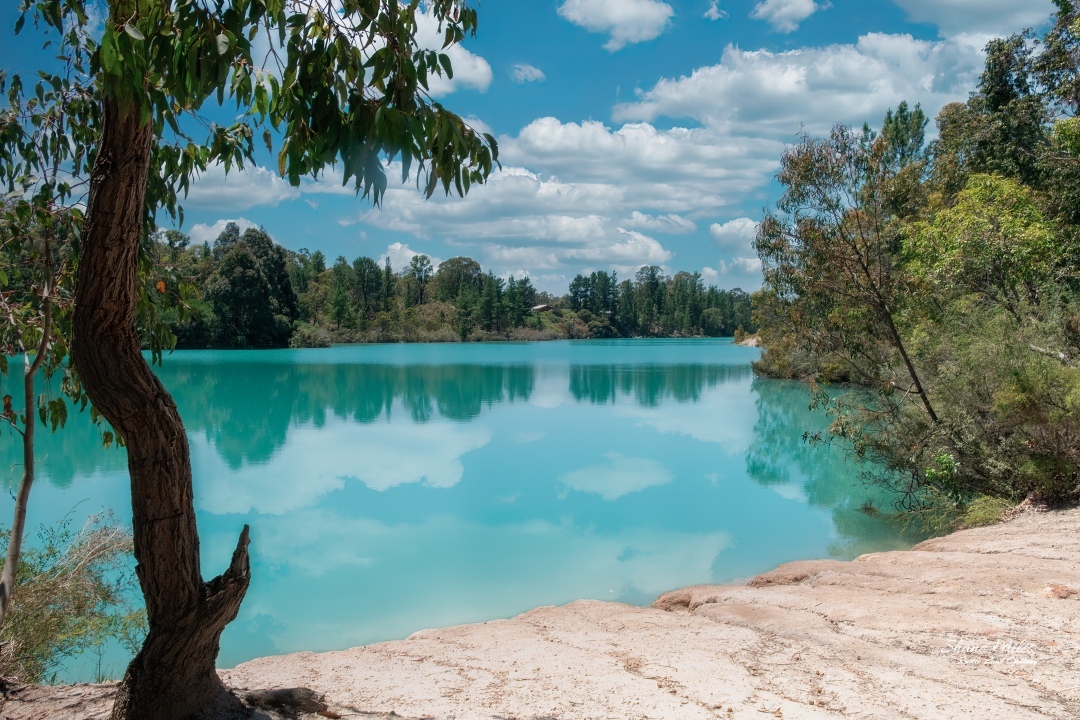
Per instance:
{"type": "Point", "coordinates": [750, 342]}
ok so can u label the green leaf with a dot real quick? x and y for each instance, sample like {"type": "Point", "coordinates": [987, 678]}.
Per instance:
{"type": "Point", "coordinates": [134, 31]}
{"type": "Point", "coordinates": [107, 53]}
{"type": "Point", "coordinates": [444, 60]}
{"type": "Point", "coordinates": [222, 44]}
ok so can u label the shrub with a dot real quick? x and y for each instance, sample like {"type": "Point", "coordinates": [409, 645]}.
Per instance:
{"type": "Point", "coordinates": [309, 336]}
{"type": "Point", "coordinates": [74, 593]}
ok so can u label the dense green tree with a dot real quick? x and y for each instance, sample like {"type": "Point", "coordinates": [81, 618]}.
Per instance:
{"type": "Point", "coordinates": [455, 275]}
{"type": "Point", "coordinates": [993, 242]}
{"type": "Point", "coordinates": [418, 274]}
{"type": "Point", "coordinates": [177, 242]}
{"type": "Point", "coordinates": [368, 286]}
{"type": "Point", "coordinates": [904, 134]}
{"type": "Point", "coordinates": [273, 263]}
{"type": "Point", "coordinates": [317, 265]}
{"type": "Point", "coordinates": [226, 240]}
{"type": "Point", "coordinates": [491, 312]}
{"type": "Point", "coordinates": [206, 284]}
{"type": "Point", "coordinates": [243, 304]}
{"type": "Point", "coordinates": [464, 318]}
{"type": "Point", "coordinates": [519, 298]}
{"type": "Point", "coordinates": [579, 292]}
{"type": "Point", "coordinates": [389, 282]}
{"type": "Point", "coordinates": [1002, 129]}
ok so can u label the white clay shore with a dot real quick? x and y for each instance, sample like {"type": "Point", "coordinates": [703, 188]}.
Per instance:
{"type": "Point", "coordinates": [983, 624]}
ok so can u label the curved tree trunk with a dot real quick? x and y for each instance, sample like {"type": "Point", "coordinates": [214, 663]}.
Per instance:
{"type": "Point", "coordinates": [22, 498]}
{"type": "Point", "coordinates": [173, 677]}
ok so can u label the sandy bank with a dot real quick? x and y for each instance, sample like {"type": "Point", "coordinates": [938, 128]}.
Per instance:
{"type": "Point", "coordinates": [982, 624]}
{"type": "Point", "coordinates": [751, 341]}
{"type": "Point", "coordinates": [966, 626]}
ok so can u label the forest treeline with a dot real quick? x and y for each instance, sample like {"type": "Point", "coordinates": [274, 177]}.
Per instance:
{"type": "Point", "coordinates": [245, 291]}
{"type": "Point", "coordinates": [940, 282]}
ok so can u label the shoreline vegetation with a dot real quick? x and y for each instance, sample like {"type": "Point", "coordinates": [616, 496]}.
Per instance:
{"type": "Point", "coordinates": [930, 291]}
{"type": "Point", "coordinates": [245, 291]}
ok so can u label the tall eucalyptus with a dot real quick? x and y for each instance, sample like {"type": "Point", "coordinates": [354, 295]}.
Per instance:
{"type": "Point", "coordinates": [343, 82]}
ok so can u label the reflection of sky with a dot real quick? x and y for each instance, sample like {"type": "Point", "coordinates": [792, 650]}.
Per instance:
{"type": "Point", "coordinates": [377, 581]}
{"type": "Point", "coordinates": [617, 477]}
{"type": "Point", "coordinates": [316, 461]}
{"type": "Point", "coordinates": [725, 415]}
{"type": "Point", "coordinates": [386, 497]}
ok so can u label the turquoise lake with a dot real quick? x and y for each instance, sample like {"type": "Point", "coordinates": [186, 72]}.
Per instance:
{"type": "Point", "coordinates": [399, 487]}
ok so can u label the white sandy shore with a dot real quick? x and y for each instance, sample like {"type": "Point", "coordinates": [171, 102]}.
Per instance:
{"type": "Point", "coordinates": [983, 624]}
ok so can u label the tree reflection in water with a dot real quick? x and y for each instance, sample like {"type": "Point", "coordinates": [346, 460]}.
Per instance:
{"type": "Point", "coordinates": [782, 457]}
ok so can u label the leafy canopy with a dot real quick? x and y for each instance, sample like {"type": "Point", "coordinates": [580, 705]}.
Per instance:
{"type": "Point", "coordinates": [992, 241]}
{"type": "Point", "coordinates": [335, 81]}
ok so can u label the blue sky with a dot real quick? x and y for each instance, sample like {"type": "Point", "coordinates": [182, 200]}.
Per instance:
{"type": "Point", "coordinates": [631, 132]}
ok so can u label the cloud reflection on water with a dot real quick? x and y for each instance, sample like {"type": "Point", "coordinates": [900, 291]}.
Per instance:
{"type": "Point", "coordinates": [620, 476]}
{"type": "Point", "coordinates": [395, 488]}
{"type": "Point", "coordinates": [316, 461]}
{"type": "Point", "coordinates": [364, 596]}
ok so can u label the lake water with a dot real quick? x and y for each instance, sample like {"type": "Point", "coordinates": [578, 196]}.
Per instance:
{"type": "Point", "coordinates": [399, 487]}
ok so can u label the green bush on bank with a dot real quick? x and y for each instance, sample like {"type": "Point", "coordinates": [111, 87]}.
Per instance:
{"type": "Point", "coordinates": [75, 593]}
{"type": "Point", "coordinates": [308, 336]}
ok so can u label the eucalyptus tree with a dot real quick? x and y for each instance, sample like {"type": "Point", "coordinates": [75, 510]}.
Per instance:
{"type": "Point", "coordinates": [344, 82]}
{"type": "Point", "coordinates": [832, 252]}
{"type": "Point", "coordinates": [454, 275]}
{"type": "Point", "coordinates": [45, 138]}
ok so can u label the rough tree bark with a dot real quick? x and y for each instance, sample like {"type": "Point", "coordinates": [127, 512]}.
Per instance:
{"type": "Point", "coordinates": [173, 677]}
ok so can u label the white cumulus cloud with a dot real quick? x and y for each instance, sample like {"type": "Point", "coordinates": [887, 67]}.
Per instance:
{"type": "Point", "coordinates": [628, 249]}
{"type": "Point", "coordinates": [989, 17]}
{"type": "Point", "coordinates": [625, 21]}
{"type": "Point", "coordinates": [715, 12]}
{"type": "Point", "coordinates": [741, 265]}
{"type": "Point", "coordinates": [524, 73]}
{"type": "Point", "coordinates": [735, 235]}
{"type": "Point", "coordinates": [209, 233]}
{"type": "Point", "coordinates": [537, 258]}
{"type": "Point", "coordinates": [785, 15]}
{"type": "Point", "coordinates": [670, 224]}
{"type": "Point", "coordinates": [678, 170]}
{"type": "Point", "coordinates": [239, 189]}
{"type": "Point", "coordinates": [774, 94]}
{"type": "Point", "coordinates": [401, 255]}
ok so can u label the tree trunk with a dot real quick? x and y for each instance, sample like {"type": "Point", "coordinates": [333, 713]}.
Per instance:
{"type": "Point", "coordinates": [173, 677]}
{"type": "Point", "coordinates": [22, 499]}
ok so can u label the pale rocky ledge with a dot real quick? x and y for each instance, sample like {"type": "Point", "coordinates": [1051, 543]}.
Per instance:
{"type": "Point", "coordinates": [982, 624]}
